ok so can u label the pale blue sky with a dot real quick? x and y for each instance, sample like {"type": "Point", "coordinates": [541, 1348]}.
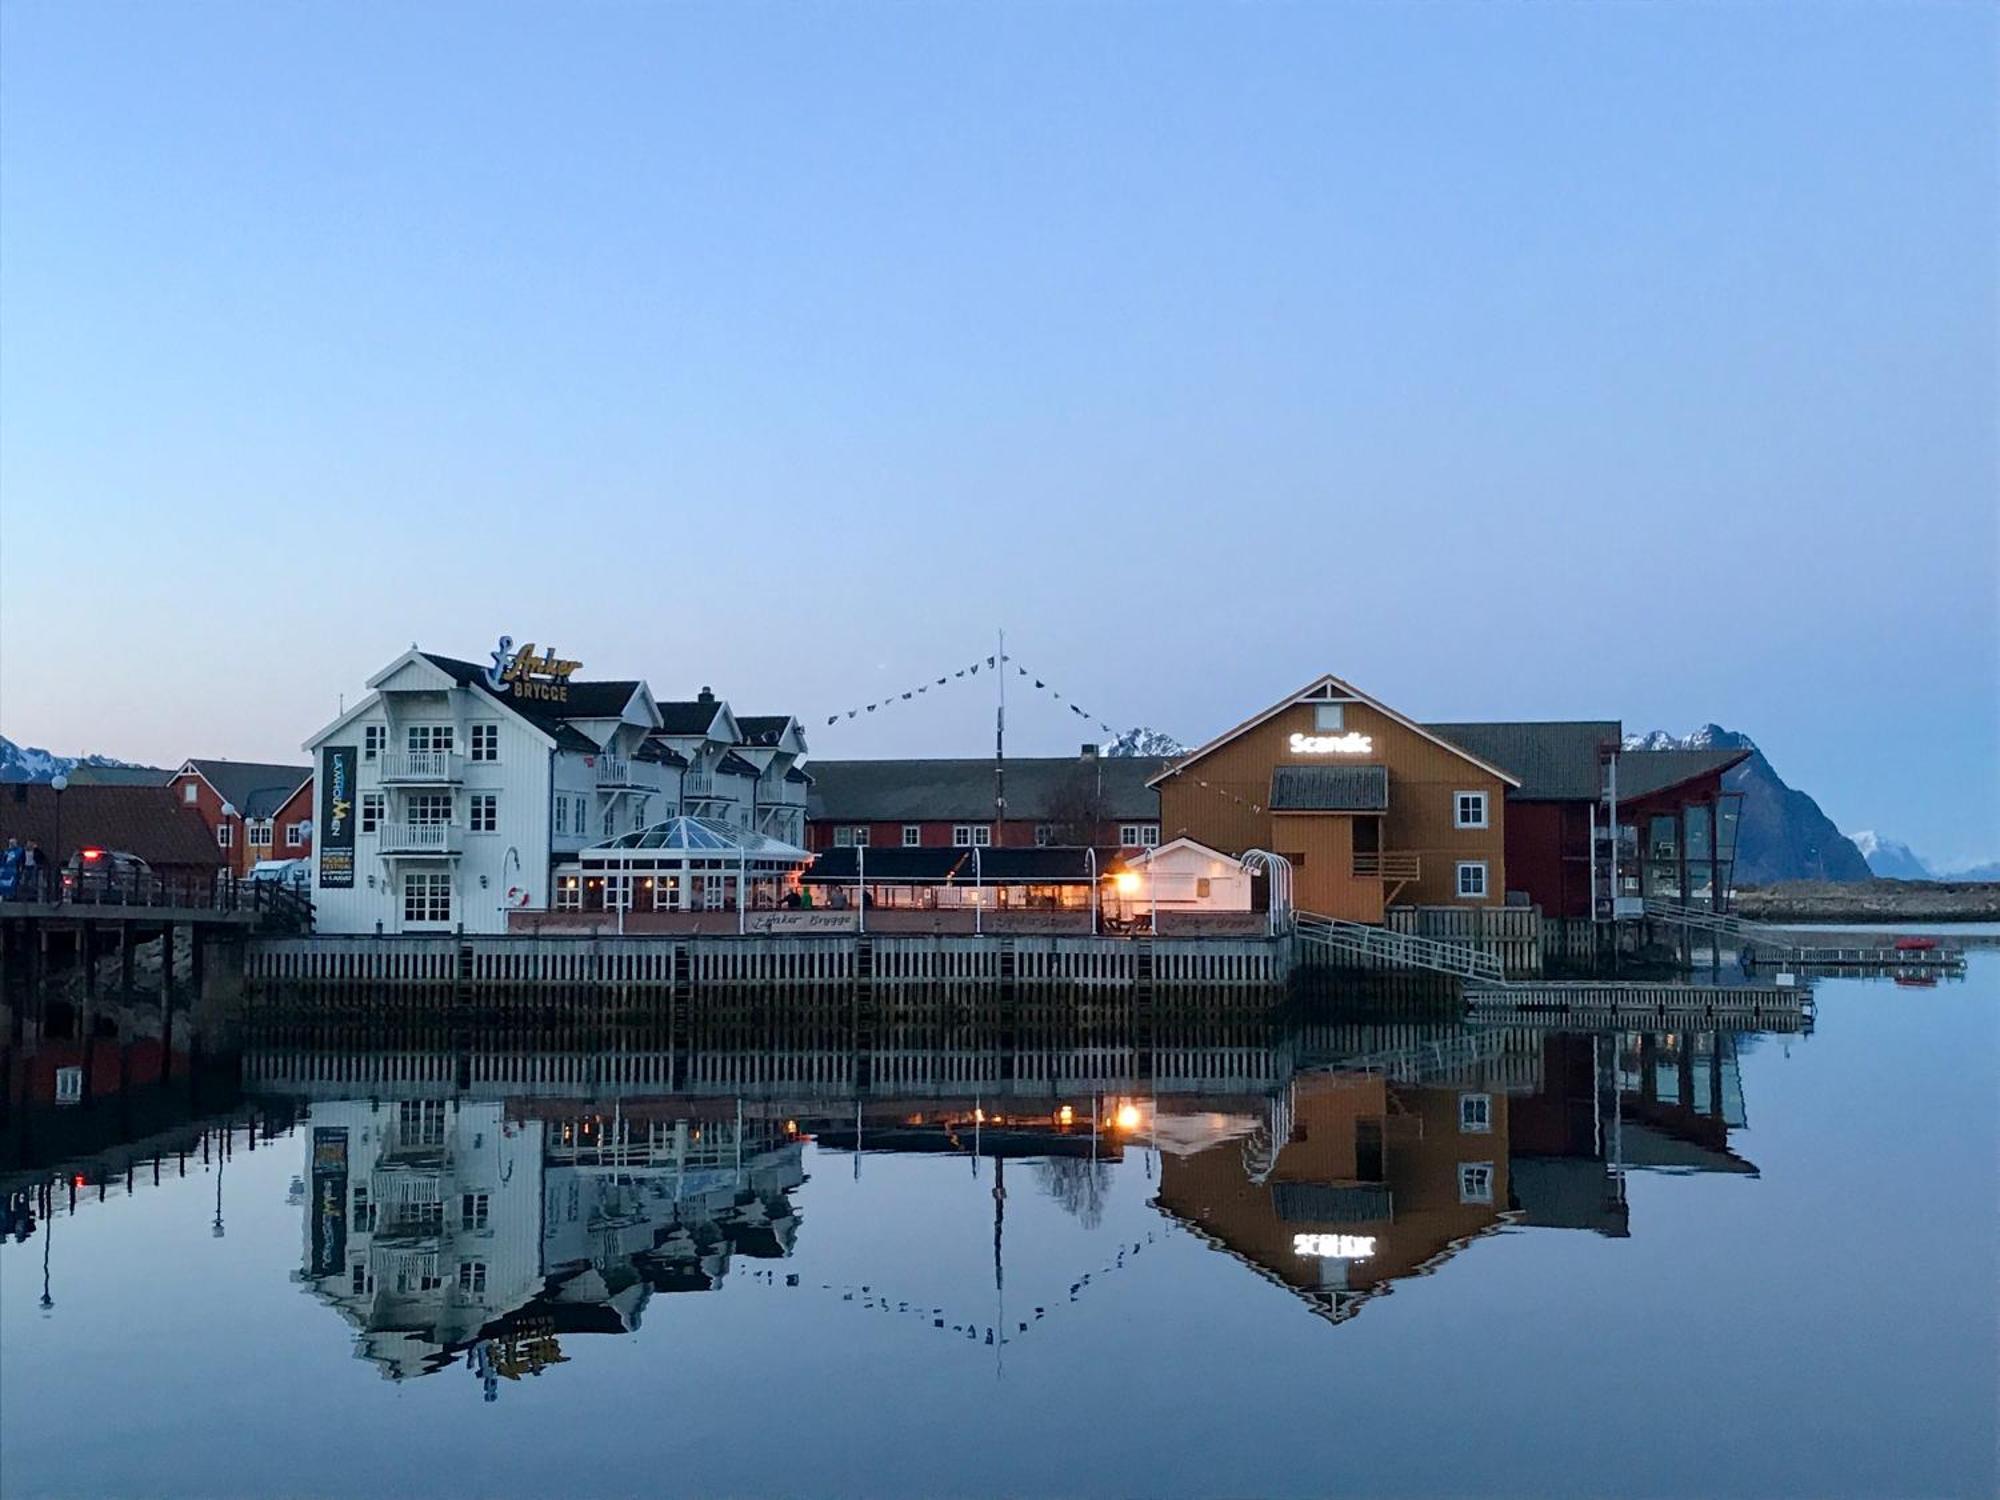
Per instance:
{"type": "Point", "coordinates": [1510, 360]}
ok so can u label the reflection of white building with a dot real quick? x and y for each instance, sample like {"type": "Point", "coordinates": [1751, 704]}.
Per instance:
{"type": "Point", "coordinates": [452, 791]}
{"type": "Point", "coordinates": [440, 1225]}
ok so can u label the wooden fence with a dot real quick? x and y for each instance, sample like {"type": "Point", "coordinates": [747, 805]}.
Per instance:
{"type": "Point", "coordinates": [1512, 934]}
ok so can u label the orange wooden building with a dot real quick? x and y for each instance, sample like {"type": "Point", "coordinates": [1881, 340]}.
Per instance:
{"type": "Point", "coordinates": [1370, 808]}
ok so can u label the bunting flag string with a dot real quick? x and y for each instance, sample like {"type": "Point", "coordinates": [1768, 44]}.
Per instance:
{"type": "Point", "coordinates": [915, 692]}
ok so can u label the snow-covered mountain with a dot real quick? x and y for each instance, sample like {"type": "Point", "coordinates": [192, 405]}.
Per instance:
{"type": "Point", "coordinates": [1892, 859]}
{"type": "Point", "coordinates": [1783, 834]}
{"type": "Point", "coordinates": [26, 763]}
{"type": "Point", "coordinates": [1139, 740]}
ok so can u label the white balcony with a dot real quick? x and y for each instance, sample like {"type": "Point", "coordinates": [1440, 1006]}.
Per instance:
{"type": "Point", "coordinates": [422, 838]}
{"type": "Point", "coordinates": [615, 771]}
{"type": "Point", "coordinates": [422, 767]}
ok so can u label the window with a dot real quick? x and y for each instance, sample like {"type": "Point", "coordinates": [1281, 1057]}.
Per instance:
{"type": "Point", "coordinates": [562, 815]}
{"type": "Point", "coordinates": [224, 834]}
{"type": "Point", "coordinates": [373, 738]}
{"type": "Point", "coordinates": [843, 837]}
{"type": "Point", "coordinates": [472, 1277]}
{"type": "Point", "coordinates": [580, 815]}
{"type": "Point", "coordinates": [426, 897]}
{"type": "Point", "coordinates": [364, 1215]}
{"type": "Point", "coordinates": [1475, 1182]}
{"type": "Point", "coordinates": [1475, 1114]}
{"type": "Point", "coordinates": [971, 835]}
{"type": "Point", "coordinates": [472, 1210]}
{"type": "Point", "coordinates": [638, 813]}
{"type": "Point", "coordinates": [485, 812]}
{"type": "Point", "coordinates": [421, 1121]}
{"type": "Point", "coordinates": [1472, 880]}
{"type": "Point", "coordinates": [258, 832]}
{"type": "Point", "coordinates": [610, 815]}
{"type": "Point", "coordinates": [295, 835]}
{"type": "Point", "coordinates": [861, 836]}
{"type": "Point", "coordinates": [371, 811]}
{"type": "Point", "coordinates": [1138, 835]}
{"type": "Point", "coordinates": [190, 791]}
{"type": "Point", "coordinates": [430, 807]}
{"type": "Point", "coordinates": [360, 1282]}
{"type": "Point", "coordinates": [1329, 718]}
{"type": "Point", "coordinates": [913, 835]}
{"type": "Point", "coordinates": [1470, 811]}
{"type": "Point", "coordinates": [421, 737]}
{"type": "Point", "coordinates": [485, 741]}
{"type": "Point", "coordinates": [1045, 834]}
{"type": "Point", "coordinates": [1203, 887]}
{"type": "Point", "coordinates": [569, 893]}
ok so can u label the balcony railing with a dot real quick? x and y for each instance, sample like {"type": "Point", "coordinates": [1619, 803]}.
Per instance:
{"type": "Point", "coordinates": [697, 784]}
{"type": "Point", "coordinates": [422, 838]}
{"type": "Point", "coordinates": [614, 770]}
{"type": "Point", "coordinates": [423, 767]}
{"type": "Point", "coordinates": [1381, 865]}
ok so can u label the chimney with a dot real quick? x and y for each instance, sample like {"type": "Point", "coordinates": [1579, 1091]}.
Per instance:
{"type": "Point", "coordinates": [706, 695]}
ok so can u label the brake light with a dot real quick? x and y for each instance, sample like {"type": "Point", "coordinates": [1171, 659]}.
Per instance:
{"type": "Point", "coordinates": [90, 856]}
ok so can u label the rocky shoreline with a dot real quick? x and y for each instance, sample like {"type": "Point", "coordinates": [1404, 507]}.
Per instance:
{"type": "Point", "coordinates": [1870, 901]}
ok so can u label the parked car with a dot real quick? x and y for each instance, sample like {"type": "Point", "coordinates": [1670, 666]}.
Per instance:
{"type": "Point", "coordinates": [293, 874]}
{"type": "Point", "coordinates": [103, 875]}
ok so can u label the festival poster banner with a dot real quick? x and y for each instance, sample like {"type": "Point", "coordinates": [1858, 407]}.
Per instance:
{"type": "Point", "coordinates": [329, 1199]}
{"type": "Point", "coordinates": [338, 765]}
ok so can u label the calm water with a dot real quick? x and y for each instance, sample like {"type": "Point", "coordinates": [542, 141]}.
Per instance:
{"type": "Point", "coordinates": [1710, 1265]}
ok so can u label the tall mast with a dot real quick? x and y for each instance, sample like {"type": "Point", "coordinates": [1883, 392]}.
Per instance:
{"type": "Point", "coordinates": [1000, 743]}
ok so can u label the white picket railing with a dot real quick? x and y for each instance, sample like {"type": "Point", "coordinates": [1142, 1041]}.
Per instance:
{"type": "Point", "coordinates": [422, 838]}
{"type": "Point", "coordinates": [429, 767]}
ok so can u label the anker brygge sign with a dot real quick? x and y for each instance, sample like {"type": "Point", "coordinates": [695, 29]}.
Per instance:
{"type": "Point", "coordinates": [544, 678]}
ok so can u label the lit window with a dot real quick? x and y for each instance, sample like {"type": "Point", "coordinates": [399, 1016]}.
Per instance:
{"type": "Point", "coordinates": [913, 835]}
{"type": "Point", "coordinates": [1472, 880]}
{"type": "Point", "coordinates": [1475, 1182]}
{"type": "Point", "coordinates": [485, 812]}
{"type": "Point", "coordinates": [485, 741]}
{"type": "Point", "coordinates": [371, 811]}
{"type": "Point", "coordinates": [1470, 810]}
{"type": "Point", "coordinates": [1475, 1114]}
{"type": "Point", "coordinates": [569, 893]}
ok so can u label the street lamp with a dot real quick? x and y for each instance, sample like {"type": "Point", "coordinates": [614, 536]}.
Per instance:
{"type": "Point", "coordinates": [60, 783]}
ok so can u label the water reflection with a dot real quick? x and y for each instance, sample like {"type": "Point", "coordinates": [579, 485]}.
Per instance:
{"type": "Point", "coordinates": [485, 1211]}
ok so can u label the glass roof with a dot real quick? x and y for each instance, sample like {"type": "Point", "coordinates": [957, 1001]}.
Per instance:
{"type": "Point", "coordinates": [708, 837]}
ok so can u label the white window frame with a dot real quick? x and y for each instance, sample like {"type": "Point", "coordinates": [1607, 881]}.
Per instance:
{"type": "Point", "coordinates": [843, 836]}
{"type": "Point", "coordinates": [1329, 718]}
{"type": "Point", "coordinates": [1475, 1114]}
{"type": "Point", "coordinates": [569, 893]}
{"type": "Point", "coordinates": [1482, 816]}
{"type": "Point", "coordinates": [1465, 866]}
{"type": "Point", "coordinates": [972, 836]}
{"type": "Point", "coordinates": [225, 835]}
{"type": "Point", "coordinates": [419, 739]}
{"type": "Point", "coordinates": [295, 834]}
{"type": "Point", "coordinates": [431, 883]}
{"type": "Point", "coordinates": [562, 817]}
{"type": "Point", "coordinates": [864, 835]}
{"type": "Point", "coordinates": [483, 742]}
{"type": "Point", "coordinates": [1045, 835]}
{"type": "Point", "coordinates": [374, 737]}
{"type": "Point", "coordinates": [428, 805]}
{"type": "Point", "coordinates": [374, 808]}
{"type": "Point", "coordinates": [490, 802]}
{"type": "Point", "coordinates": [257, 833]}
{"type": "Point", "coordinates": [190, 790]}
{"type": "Point", "coordinates": [1475, 1182]}
{"type": "Point", "coordinates": [913, 835]}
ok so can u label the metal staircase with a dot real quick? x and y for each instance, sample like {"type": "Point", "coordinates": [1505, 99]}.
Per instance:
{"type": "Point", "coordinates": [1379, 947]}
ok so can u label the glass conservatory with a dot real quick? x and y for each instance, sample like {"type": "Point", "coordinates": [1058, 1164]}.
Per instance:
{"type": "Point", "coordinates": [684, 864]}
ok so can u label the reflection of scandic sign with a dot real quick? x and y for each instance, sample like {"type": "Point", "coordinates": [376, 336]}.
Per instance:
{"type": "Point", "coordinates": [1331, 744]}
{"type": "Point", "coordinates": [1334, 1246]}
{"type": "Point", "coordinates": [526, 675]}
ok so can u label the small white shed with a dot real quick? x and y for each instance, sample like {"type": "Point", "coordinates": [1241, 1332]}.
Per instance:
{"type": "Point", "coordinates": [1183, 876]}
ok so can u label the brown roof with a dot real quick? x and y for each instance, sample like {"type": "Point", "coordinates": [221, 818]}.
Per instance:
{"type": "Point", "coordinates": [144, 820]}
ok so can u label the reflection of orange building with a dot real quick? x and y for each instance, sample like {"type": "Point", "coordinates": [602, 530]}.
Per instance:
{"type": "Point", "coordinates": [1373, 1181]}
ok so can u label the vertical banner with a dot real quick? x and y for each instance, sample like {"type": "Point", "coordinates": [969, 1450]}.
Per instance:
{"type": "Point", "coordinates": [336, 817]}
{"type": "Point", "coordinates": [329, 1199]}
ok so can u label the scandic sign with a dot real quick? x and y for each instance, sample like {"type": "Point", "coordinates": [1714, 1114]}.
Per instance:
{"type": "Point", "coordinates": [1331, 744]}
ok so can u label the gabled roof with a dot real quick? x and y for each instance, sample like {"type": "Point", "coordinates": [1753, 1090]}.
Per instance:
{"type": "Point", "coordinates": [256, 789]}
{"type": "Point", "coordinates": [1555, 760]}
{"type": "Point", "coordinates": [1641, 773]}
{"type": "Point", "coordinates": [1328, 688]}
{"type": "Point", "coordinates": [607, 699]}
{"type": "Point", "coordinates": [733, 764]}
{"type": "Point", "coordinates": [1042, 788]}
{"type": "Point", "coordinates": [148, 821]}
{"type": "Point", "coordinates": [84, 773]}
{"type": "Point", "coordinates": [1330, 789]}
{"type": "Point", "coordinates": [569, 737]}
{"type": "Point", "coordinates": [698, 715]}
{"type": "Point", "coordinates": [763, 729]}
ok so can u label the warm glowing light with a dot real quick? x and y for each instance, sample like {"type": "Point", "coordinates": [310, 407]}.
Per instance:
{"type": "Point", "coordinates": [1128, 1117]}
{"type": "Point", "coordinates": [979, 1116]}
{"type": "Point", "coordinates": [1126, 882]}
{"type": "Point", "coordinates": [1066, 1116]}
{"type": "Point", "coordinates": [1334, 1246]}
{"type": "Point", "coordinates": [1331, 744]}
{"type": "Point", "coordinates": [791, 1127]}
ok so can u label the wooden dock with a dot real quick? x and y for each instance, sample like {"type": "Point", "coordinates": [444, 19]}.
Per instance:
{"type": "Point", "coordinates": [1592, 1004]}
